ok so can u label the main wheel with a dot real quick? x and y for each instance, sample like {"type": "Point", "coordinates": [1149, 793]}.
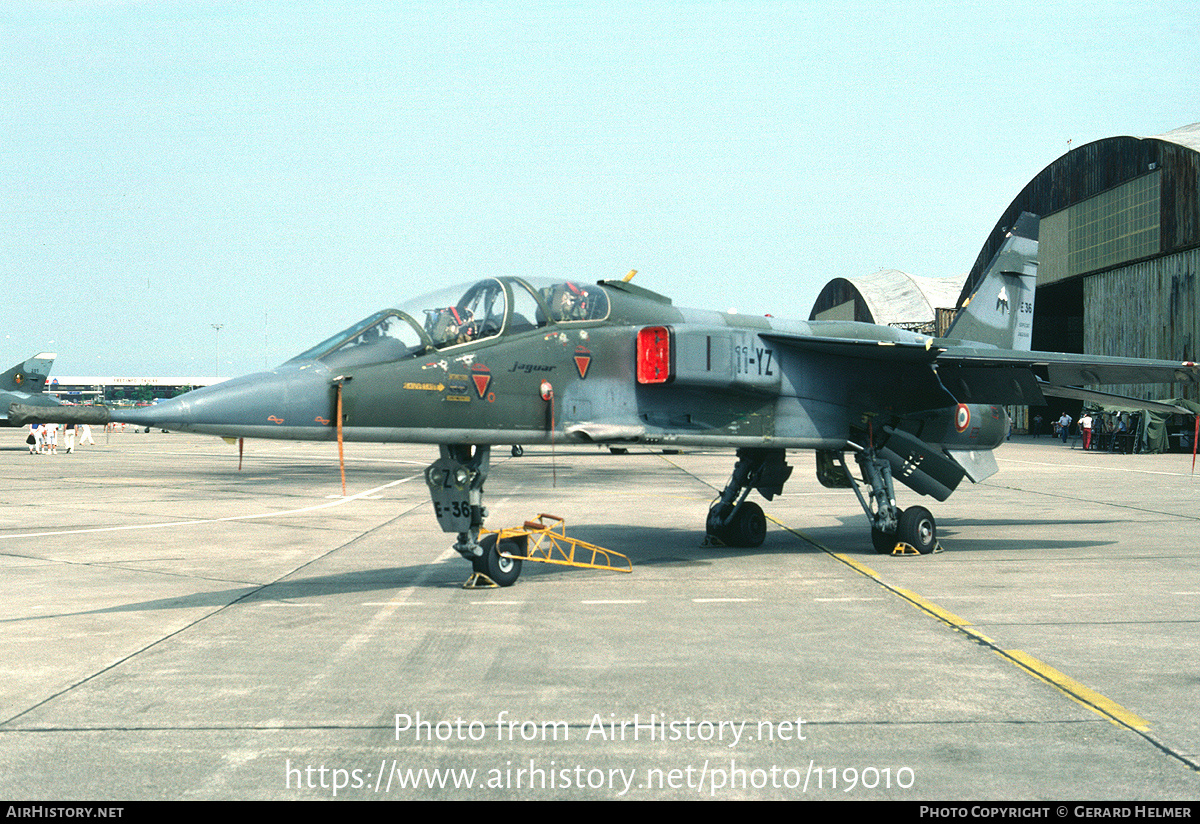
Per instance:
{"type": "Point", "coordinates": [918, 528]}
{"type": "Point", "coordinates": [712, 524]}
{"type": "Point", "coordinates": [884, 542]}
{"type": "Point", "coordinates": [749, 527]}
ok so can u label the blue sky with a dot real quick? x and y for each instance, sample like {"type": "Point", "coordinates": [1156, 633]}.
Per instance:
{"type": "Point", "coordinates": [285, 169]}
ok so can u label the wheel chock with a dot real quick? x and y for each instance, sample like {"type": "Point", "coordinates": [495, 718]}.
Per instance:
{"type": "Point", "coordinates": [902, 548]}
{"type": "Point", "coordinates": [478, 580]}
{"type": "Point", "coordinates": [711, 541]}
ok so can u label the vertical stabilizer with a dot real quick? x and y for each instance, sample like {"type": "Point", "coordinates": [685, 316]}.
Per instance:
{"type": "Point", "coordinates": [28, 376]}
{"type": "Point", "coordinates": [23, 384]}
{"type": "Point", "coordinates": [1000, 310]}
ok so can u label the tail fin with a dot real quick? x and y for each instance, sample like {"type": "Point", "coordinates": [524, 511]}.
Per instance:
{"type": "Point", "coordinates": [1000, 310]}
{"type": "Point", "coordinates": [28, 376]}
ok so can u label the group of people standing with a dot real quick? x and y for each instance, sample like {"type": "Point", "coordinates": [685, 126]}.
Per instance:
{"type": "Point", "coordinates": [1099, 432]}
{"type": "Point", "coordinates": [43, 437]}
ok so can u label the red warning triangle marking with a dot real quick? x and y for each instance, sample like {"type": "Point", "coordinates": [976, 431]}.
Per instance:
{"type": "Point", "coordinates": [482, 379]}
{"type": "Point", "coordinates": [582, 361]}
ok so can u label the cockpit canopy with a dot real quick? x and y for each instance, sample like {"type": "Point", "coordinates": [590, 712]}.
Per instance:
{"type": "Point", "coordinates": [460, 315]}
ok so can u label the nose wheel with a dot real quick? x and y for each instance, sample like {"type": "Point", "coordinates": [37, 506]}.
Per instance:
{"type": "Point", "coordinates": [503, 570]}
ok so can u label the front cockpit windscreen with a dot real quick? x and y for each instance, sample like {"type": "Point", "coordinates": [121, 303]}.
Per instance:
{"type": "Point", "coordinates": [460, 315]}
{"type": "Point", "coordinates": [384, 336]}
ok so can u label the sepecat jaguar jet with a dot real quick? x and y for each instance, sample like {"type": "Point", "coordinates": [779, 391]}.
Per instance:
{"type": "Point", "coordinates": [509, 360]}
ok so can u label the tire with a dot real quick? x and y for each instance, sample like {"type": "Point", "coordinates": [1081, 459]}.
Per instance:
{"type": "Point", "coordinates": [884, 542]}
{"type": "Point", "coordinates": [747, 530]}
{"type": "Point", "coordinates": [749, 527]}
{"type": "Point", "coordinates": [712, 524]}
{"type": "Point", "coordinates": [918, 528]}
{"type": "Point", "coordinates": [504, 571]}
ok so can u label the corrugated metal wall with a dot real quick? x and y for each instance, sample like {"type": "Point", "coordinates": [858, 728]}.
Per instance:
{"type": "Point", "coordinates": [1146, 310]}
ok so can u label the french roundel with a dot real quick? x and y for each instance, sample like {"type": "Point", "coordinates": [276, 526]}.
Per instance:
{"type": "Point", "coordinates": [962, 418]}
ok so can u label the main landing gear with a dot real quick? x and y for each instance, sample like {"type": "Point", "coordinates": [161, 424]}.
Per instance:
{"type": "Point", "coordinates": [734, 521]}
{"type": "Point", "coordinates": [455, 483]}
{"type": "Point", "coordinates": [894, 531]}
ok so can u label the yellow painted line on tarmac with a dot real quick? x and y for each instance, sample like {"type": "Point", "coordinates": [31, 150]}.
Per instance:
{"type": "Point", "coordinates": [933, 609]}
{"type": "Point", "coordinates": [845, 559]}
{"type": "Point", "coordinates": [1080, 693]}
{"type": "Point", "coordinates": [1077, 691]}
{"type": "Point", "coordinates": [978, 636]}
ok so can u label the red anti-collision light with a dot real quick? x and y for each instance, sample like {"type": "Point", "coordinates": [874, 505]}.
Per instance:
{"type": "Point", "coordinates": [654, 355]}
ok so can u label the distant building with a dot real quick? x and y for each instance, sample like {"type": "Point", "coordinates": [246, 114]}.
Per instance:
{"type": "Point", "coordinates": [110, 389]}
{"type": "Point", "coordinates": [890, 298]}
{"type": "Point", "coordinates": [1118, 259]}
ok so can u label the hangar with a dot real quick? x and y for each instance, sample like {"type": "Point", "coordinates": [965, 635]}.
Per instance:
{"type": "Point", "coordinates": [1118, 250]}
{"type": "Point", "coordinates": [1119, 255]}
{"type": "Point", "coordinates": [890, 298]}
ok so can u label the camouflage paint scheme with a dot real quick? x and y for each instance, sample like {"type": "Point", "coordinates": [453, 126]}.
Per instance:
{"type": "Point", "coordinates": [524, 361]}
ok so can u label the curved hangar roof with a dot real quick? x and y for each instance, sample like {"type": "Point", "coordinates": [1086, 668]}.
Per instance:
{"type": "Point", "coordinates": [888, 297]}
{"type": "Point", "coordinates": [1143, 187]}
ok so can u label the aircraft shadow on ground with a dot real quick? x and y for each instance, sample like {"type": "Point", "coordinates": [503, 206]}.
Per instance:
{"type": "Point", "coordinates": [852, 536]}
{"type": "Point", "coordinates": [365, 582]}
{"type": "Point", "coordinates": [646, 547]}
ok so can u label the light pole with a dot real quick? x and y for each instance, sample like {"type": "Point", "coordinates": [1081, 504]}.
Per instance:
{"type": "Point", "coordinates": [218, 327]}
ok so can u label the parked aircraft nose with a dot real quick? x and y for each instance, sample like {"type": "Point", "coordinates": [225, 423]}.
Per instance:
{"type": "Point", "coordinates": [293, 400]}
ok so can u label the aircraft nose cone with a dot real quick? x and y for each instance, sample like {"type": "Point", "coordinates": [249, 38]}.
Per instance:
{"type": "Point", "coordinates": [264, 404]}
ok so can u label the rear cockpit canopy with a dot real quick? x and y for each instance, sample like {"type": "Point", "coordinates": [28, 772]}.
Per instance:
{"type": "Point", "coordinates": [461, 315]}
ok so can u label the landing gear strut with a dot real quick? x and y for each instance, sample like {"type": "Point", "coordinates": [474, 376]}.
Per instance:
{"type": "Point", "coordinates": [732, 519]}
{"type": "Point", "coordinates": [894, 531]}
{"type": "Point", "coordinates": [455, 483]}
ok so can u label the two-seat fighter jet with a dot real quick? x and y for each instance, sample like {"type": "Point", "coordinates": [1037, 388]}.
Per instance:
{"type": "Point", "coordinates": [509, 360]}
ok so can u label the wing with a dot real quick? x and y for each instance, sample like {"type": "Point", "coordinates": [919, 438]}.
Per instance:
{"type": "Point", "coordinates": [980, 375]}
{"type": "Point", "coordinates": [934, 373]}
{"type": "Point", "coordinates": [871, 375]}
